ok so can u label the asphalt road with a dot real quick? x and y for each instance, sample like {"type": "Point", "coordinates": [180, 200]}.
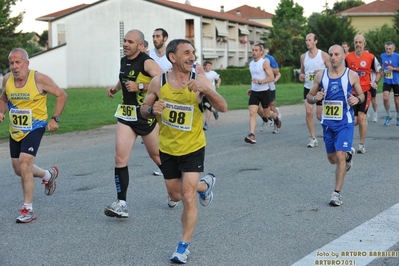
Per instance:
{"type": "Point", "coordinates": [270, 199]}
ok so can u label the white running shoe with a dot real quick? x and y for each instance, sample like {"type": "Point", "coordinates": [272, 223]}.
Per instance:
{"type": "Point", "coordinates": [172, 204]}
{"type": "Point", "coordinates": [313, 143]}
{"type": "Point", "coordinates": [375, 118]}
{"type": "Point", "coordinates": [335, 199]}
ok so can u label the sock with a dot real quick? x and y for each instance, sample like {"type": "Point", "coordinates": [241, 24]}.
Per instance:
{"type": "Point", "coordinates": [121, 182]}
{"type": "Point", "coordinates": [388, 113]}
{"type": "Point", "coordinates": [339, 192]}
{"type": "Point", "coordinates": [122, 202]}
{"type": "Point", "coordinates": [265, 119]}
{"type": "Point", "coordinates": [28, 206]}
{"type": "Point", "coordinates": [47, 176]}
{"type": "Point", "coordinates": [348, 156]}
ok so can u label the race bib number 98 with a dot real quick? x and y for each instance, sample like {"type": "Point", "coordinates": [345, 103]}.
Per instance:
{"type": "Point", "coordinates": [332, 110]}
{"type": "Point", "coordinates": [178, 116]}
{"type": "Point", "coordinates": [21, 119]}
{"type": "Point", "coordinates": [126, 112]}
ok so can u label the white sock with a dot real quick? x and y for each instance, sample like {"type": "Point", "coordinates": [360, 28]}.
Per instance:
{"type": "Point", "coordinates": [47, 176]}
{"type": "Point", "coordinates": [122, 202]}
{"type": "Point", "coordinates": [28, 206]}
{"type": "Point", "coordinates": [388, 113]}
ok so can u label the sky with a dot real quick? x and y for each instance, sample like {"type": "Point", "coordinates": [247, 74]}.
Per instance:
{"type": "Point", "coordinates": [38, 8]}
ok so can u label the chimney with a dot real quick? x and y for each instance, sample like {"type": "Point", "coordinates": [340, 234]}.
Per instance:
{"type": "Point", "coordinates": [188, 2]}
{"type": "Point", "coordinates": [221, 9]}
{"type": "Point", "coordinates": [238, 13]}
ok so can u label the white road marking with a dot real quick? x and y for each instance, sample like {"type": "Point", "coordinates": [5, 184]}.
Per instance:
{"type": "Point", "coordinates": [361, 245]}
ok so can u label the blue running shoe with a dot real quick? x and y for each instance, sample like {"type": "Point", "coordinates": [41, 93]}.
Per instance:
{"type": "Point", "coordinates": [181, 253]}
{"type": "Point", "coordinates": [397, 121]}
{"type": "Point", "coordinates": [387, 120]}
{"type": "Point", "coordinates": [206, 197]}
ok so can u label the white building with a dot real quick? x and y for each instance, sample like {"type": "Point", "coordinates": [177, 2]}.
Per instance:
{"type": "Point", "coordinates": [85, 41]}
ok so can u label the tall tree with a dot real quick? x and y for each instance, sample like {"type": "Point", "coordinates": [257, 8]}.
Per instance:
{"type": "Point", "coordinates": [10, 38]}
{"type": "Point", "coordinates": [330, 30]}
{"type": "Point", "coordinates": [285, 41]}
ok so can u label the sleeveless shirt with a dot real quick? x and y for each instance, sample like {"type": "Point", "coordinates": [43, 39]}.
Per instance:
{"type": "Point", "coordinates": [180, 124]}
{"type": "Point", "coordinates": [336, 90]}
{"type": "Point", "coordinates": [27, 107]}
{"type": "Point", "coordinates": [257, 72]}
{"type": "Point", "coordinates": [311, 65]}
{"type": "Point", "coordinates": [162, 61]}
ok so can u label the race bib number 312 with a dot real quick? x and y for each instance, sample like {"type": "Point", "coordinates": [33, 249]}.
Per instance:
{"type": "Point", "coordinates": [21, 119]}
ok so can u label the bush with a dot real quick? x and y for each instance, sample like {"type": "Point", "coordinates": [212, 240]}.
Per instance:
{"type": "Point", "coordinates": [240, 75]}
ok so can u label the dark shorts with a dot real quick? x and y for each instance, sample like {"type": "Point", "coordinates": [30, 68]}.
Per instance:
{"type": "Point", "coordinates": [305, 93]}
{"type": "Point", "coordinates": [262, 97]}
{"type": "Point", "coordinates": [389, 87]}
{"type": "Point", "coordinates": [272, 96]}
{"type": "Point", "coordinates": [173, 166]}
{"type": "Point", "coordinates": [30, 144]}
{"type": "Point", "coordinates": [373, 92]}
{"type": "Point", "coordinates": [364, 106]}
{"type": "Point", "coordinates": [142, 126]}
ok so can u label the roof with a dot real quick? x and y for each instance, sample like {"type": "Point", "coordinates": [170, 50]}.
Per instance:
{"type": "Point", "coordinates": [207, 13]}
{"type": "Point", "coordinates": [380, 7]}
{"type": "Point", "coordinates": [61, 13]}
{"type": "Point", "coordinates": [250, 12]}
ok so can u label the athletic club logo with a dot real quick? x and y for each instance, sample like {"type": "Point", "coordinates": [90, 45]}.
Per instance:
{"type": "Point", "coordinates": [363, 63]}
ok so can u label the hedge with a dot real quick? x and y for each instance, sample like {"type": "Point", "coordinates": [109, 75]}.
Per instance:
{"type": "Point", "coordinates": [238, 76]}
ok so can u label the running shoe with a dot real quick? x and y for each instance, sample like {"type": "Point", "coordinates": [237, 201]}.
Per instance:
{"type": "Point", "coordinates": [205, 126]}
{"type": "Point", "coordinates": [50, 185]}
{"type": "Point", "coordinates": [387, 120]}
{"type": "Point", "coordinates": [361, 149]}
{"type": "Point", "coordinates": [335, 199]}
{"type": "Point", "coordinates": [172, 204]}
{"type": "Point", "coordinates": [349, 160]}
{"type": "Point", "coordinates": [181, 253]}
{"type": "Point", "coordinates": [116, 210]}
{"type": "Point", "coordinates": [206, 197]}
{"type": "Point", "coordinates": [264, 127]}
{"type": "Point", "coordinates": [375, 118]}
{"type": "Point", "coordinates": [276, 130]}
{"type": "Point", "coordinates": [26, 216]}
{"type": "Point", "coordinates": [313, 143]}
{"type": "Point", "coordinates": [157, 172]}
{"type": "Point", "coordinates": [216, 114]}
{"type": "Point", "coordinates": [250, 138]}
{"type": "Point", "coordinates": [397, 121]}
{"type": "Point", "coordinates": [270, 123]}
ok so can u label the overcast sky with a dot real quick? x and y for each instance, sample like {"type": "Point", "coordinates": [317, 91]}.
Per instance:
{"type": "Point", "coordinates": [37, 8]}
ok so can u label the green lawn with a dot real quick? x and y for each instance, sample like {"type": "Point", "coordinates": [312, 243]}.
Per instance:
{"type": "Point", "coordinates": [90, 108]}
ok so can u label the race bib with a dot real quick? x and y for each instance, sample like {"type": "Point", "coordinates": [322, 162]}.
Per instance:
{"type": "Point", "coordinates": [178, 116]}
{"type": "Point", "coordinates": [311, 76]}
{"type": "Point", "coordinates": [388, 75]}
{"type": "Point", "coordinates": [332, 110]}
{"type": "Point", "coordinates": [126, 112]}
{"type": "Point", "coordinates": [21, 119]}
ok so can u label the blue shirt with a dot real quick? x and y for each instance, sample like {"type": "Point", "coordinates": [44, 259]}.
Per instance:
{"type": "Point", "coordinates": [273, 62]}
{"type": "Point", "coordinates": [390, 77]}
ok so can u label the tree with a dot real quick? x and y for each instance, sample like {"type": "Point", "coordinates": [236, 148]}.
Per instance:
{"type": "Point", "coordinates": [10, 38]}
{"type": "Point", "coordinates": [346, 4]}
{"type": "Point", "coordinates": [285, 41]}
{"type": "Point", "coordinates": [376, 39]}
{"type": "Point", "coordinates": [330, 30]}
{"type": "Point", "coordinates": [43, 41]}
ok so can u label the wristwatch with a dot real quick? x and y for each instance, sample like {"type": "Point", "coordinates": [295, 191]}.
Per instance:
{"type": "Point", "coordinates": [149, 110]}
{"type": "Point", "coordinates": [141, 86]}
{"type": "Point", "coordinates": [259, 82]}
{"type": "Point", "coordinates": [56, 118]}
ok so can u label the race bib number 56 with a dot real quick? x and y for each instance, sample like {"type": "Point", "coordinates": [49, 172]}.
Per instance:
{"type": "Point", "coordinates": [126, 112]}
{"type": "Point", "coordinates": [178, 116]}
